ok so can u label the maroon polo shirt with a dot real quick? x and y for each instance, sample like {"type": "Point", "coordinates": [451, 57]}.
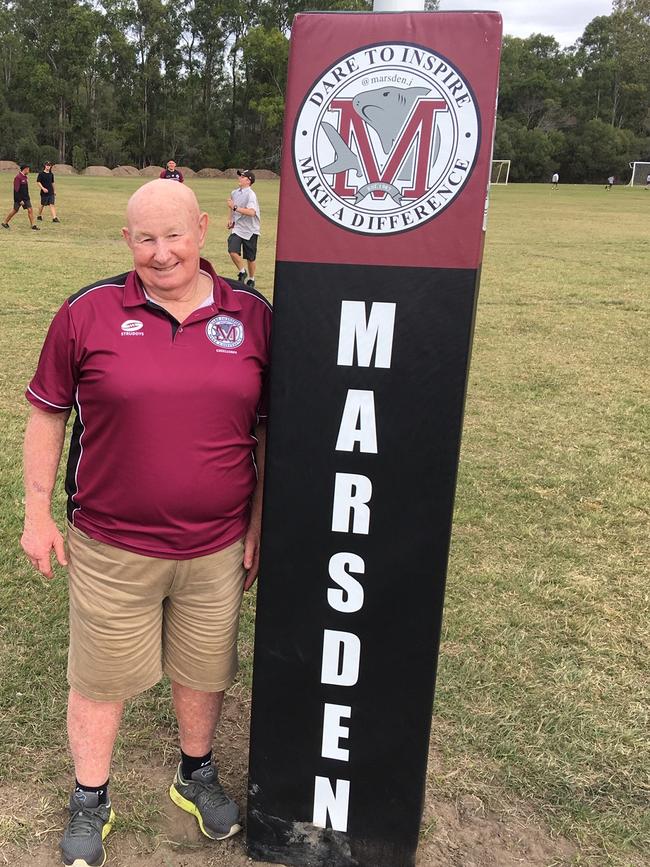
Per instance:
{"type": "Point", "coordinates": [172, 176]}
{"type": "Point", "coordinates": [161, 454]}
{"type": "Point", "coordinates": [21, 187]}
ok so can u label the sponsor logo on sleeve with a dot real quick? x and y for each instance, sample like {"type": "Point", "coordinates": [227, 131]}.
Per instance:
{"type": "Point", "coordinates": [132, 328]}
{"type": "Point", "coordinates": [225, 332]}
{"type": "Point", "coordinates": [386, 138]}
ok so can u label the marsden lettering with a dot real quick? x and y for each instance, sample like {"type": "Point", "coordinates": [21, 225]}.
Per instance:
{"type": "Point", "coordinates": [365, 340]}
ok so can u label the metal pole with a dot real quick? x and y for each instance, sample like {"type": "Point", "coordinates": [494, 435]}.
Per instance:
{"type": "Point", "coordinates": [398, 6]}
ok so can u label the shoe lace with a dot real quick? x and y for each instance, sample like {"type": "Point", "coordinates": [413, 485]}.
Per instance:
{"type": "Point", "coordinates": [85, 822]}
{"type": "Point", "coordinates": [212, 794]}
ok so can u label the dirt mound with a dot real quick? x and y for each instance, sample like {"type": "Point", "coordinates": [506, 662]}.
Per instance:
{"type": "Point", "coordinates": [63, 169]}
{"type": "Point", "coordinates": [230, 173]}
{"type": "Point", "coordinates": [151, 171]}
{"type": "Point", "coordinates": [97, 172]}
{"type": "Point", "coordinates": [187, 172]}
{"type": "Point", "coordinates": [125, 171]}
{"type": "Point", "coordinates": [8, 166]}
{"type": "Point", "coordinates": [210, 173]}
{"type": "Point", "coordinates": [265, 175]}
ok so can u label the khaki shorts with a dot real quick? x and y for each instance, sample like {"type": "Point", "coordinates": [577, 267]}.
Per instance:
{"type": "Point", "coordinates": [133, 618]}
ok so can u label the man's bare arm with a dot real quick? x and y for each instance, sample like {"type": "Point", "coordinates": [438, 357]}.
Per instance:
{"type": "Point", "coordinates": [252, 538]}
{"type": "Point", "coordinates": [44, 438]}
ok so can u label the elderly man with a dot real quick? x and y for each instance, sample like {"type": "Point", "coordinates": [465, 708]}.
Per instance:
{"type": "Point", "coordinates": [165, 368]}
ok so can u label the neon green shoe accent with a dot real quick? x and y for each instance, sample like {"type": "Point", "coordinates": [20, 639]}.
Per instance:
{"type": "Point", "coordinates": [205, 793]}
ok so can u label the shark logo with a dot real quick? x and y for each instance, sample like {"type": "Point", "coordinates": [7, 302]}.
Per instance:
{"type": "Point", "coordinates": [386, 138]}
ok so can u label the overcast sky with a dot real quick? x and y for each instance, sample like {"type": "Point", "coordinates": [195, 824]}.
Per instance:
{"type": "Point", "coordinates": [564, 19]}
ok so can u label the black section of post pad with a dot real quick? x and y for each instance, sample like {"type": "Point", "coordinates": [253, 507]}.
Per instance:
{"type": "Point", "coordinates": [418, 410]}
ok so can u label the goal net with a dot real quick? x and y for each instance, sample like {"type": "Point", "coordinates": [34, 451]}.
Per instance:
{"type": "Point", "coordinates": [640, 172]}
{"type": "Point", "coordinates": [500, 171]}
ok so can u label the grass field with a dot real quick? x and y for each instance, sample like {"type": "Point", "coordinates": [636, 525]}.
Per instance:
{"type": "Point", "coordinates": [542, 700]}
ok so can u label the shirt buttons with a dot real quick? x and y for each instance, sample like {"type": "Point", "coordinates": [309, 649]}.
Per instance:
{"type": "Point", "coordinates": [180, 329]}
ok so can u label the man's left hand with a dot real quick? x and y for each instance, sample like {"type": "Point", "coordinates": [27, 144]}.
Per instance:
{"type": "Point", "coordinates": [251, 556]}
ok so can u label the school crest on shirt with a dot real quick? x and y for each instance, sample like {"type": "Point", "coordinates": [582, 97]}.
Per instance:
{"type": "Point", "coordinates": [386, 138]}
{"type": "Point", "coordinates": [225, 332]}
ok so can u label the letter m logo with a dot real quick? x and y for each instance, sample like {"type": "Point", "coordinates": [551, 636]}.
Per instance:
{"type": "Point", "coordinates": [418, 128]}
{"type": "Point", "coordinates": [226, 332]}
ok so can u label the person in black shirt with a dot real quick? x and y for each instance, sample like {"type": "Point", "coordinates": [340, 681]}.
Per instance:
{"type": "Point", "coordinates": [45, 181]}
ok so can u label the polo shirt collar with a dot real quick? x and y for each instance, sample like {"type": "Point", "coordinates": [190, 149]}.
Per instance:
{"type": "Point", "coordinates": [223, 295]}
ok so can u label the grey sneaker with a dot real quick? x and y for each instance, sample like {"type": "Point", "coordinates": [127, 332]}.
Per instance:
{"type": "Point", "coordinates": [204, 797]}
{"type": "Point", "coordinates": [83, 840]}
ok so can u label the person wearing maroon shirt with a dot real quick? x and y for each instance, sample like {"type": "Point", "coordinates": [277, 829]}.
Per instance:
{"type": "Point", "coordinates": [166, 369]}
{"type": "Point", "coordinates": [171, 173]}
{"type": "Point", "coordinates": [21, 198]}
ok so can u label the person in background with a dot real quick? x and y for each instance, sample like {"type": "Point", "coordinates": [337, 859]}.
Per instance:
{"type": "Point", "coordinates": [244, 223]}
{"type": "Point", "coordinates": [171, 173]}
{"type": "Point", "coordinates": [45, 181]}
{"type": "Point", "coordinates": [610, 182]}
{"type": "Point", "coordinates": [555, 180]}
{"type": "Point", "coordinates": [21, 198]}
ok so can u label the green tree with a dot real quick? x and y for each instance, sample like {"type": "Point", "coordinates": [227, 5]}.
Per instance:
{"type": "Point", "coordinates": [613, 59]}
{"type": "Point", "coordinates": [61, 34]}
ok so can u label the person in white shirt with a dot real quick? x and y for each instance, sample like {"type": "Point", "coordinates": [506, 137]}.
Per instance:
{"type": "Point", "coordinates": [244, 223]}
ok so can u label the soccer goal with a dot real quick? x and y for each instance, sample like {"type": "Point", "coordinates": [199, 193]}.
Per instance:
{"type": "Point", "coordinates": [500, 172]}
{"type": "Point", "coordinates": [640, 173]}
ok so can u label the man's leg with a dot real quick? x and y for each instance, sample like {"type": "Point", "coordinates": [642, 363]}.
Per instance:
{"type": "Point", "coordinates": [12, 213]}
{"type": "Point", "coordinates": [237, 261]}
{"type": "Point", "coordinates": [30, 214]}
{"type": "Point", "coordinates": [197, 714]}
{"type": "Point", "coordinates": [251, 268]}
{"type": "Point", "coordinates": [92, 729]}
{"type": "Point", "coordinates": [200, 793]}
{"type": "Point", "coordinates": [40, 212]}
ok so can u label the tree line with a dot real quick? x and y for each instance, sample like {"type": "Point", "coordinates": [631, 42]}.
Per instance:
{"type": "Point", "coordinates": [139, 82]}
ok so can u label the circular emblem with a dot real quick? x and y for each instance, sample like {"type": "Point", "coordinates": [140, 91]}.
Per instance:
{"type": "Point", "coordinates": [131, 325]}
{"type": "Point", "coordinates": [225, 332]}
{"type": "Point", "coordinates": [386, 138]}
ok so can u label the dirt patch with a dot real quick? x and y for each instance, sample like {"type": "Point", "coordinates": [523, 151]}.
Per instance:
{"type": "Point", "coordinates": [186, 171]}
{"type": "Point", "coordinates": [151, 171]}
{"type": "Point", "coordinates": [460, 834]}
{"type": "Point", "coordinates": [265, 175]}
{"type": "Point", "coordinates": [8, 166]}
{"type": "Point", "coordinates": [97, 172]}
{"type": "Point", "coordinates": [64, 169]}
{"type": "Point", "coordinates": [230, 173]}
{"type": "Point", "coordinates": [210, 173]}
{"type": "Point", "coordinates": [125, 171]}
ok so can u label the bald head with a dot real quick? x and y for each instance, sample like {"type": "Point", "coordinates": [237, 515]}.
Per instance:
{"type": "Point", "coordinates": [160, 195]}
{"type": "Point", "coordinates": [165, 231]}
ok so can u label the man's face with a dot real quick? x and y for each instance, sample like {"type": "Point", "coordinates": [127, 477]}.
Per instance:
{"type": "Point", "coordinates": [244, 182]}
{"type": "Point", "coordinates": [166, 237]}
{"type": "Point", "coordinates": [25, 171]}
{"type": "Point", "coordinates": [171, 165]}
